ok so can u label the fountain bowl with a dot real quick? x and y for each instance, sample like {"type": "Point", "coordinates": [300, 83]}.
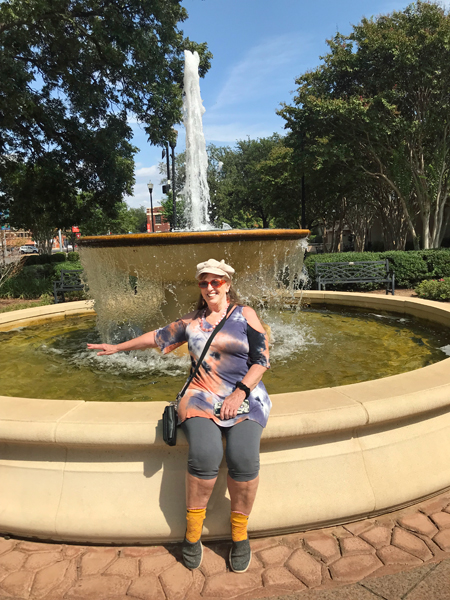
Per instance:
{"type": "Point", "coordinates": [99, 472]}
{"type": "Point", "coordinates": [160, 253]}
{"type": "Point", "coordinates": [148, 279]}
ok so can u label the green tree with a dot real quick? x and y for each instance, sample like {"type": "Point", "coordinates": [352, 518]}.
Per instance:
{"type": "Point", "coordinates": [281, 178]}
{"type": "Point", "coordinates": [167, 212]}
{"type": "Point", "coordinates": [126, 220]}
{"type": "Point", "coordinates": [380, 101]}
{"type": "Point", "coordinates": [254, 184]}
{"type": "Point", "coordinates": [248, 196]}
{"type": "Point", "coordinates": [71, 74]}
{"type": "Point", "coordinates": [44, 195]}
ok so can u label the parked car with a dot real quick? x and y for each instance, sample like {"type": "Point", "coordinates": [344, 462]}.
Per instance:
{"type": "Point", "coordinates": [28, 249]}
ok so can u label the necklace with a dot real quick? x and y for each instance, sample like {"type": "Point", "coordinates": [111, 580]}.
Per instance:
{"type": "Point", "coordinates": [204, 322]}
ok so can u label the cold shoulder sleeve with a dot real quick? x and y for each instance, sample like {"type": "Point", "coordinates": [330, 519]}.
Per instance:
{"type": "Point", "coordinates": [258, 342]}
{"type": "Point", "coordinates": [171, 336]}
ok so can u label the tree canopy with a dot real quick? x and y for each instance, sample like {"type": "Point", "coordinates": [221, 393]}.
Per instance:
{"type": "Point", "coordinates": [253, 184]}
{"type": "Point", "coordinates": [379, 104]}
{"type": "Point", "coordinates": [72, 74]}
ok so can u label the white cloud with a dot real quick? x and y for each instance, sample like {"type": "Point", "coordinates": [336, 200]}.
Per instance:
{"type": "Point", "coordinates": [152, 171]}
{"type": "Point", "coordinates": [389, 6]}
{"type": "Point", "coordinates": [230, 132]}
{"type": "Point", "coordinates": [132, 120]}
{"type": "Point", "coordinates": [246, 103]}
{"type": "Point", "coordinates": [266, 66]}
{"type": "Point", "coordinates": [140, 196]}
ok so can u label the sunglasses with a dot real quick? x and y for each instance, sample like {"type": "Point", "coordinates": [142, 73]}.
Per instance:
{"type": "Point", "coordinates": [215, 283]}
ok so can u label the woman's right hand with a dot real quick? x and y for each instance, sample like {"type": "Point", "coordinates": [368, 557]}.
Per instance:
{"type": "Point", "coordinates": [107, 349]}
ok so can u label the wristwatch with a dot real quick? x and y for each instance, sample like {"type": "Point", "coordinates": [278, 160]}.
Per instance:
{"type": "Point", "coordinates": [244, 388]}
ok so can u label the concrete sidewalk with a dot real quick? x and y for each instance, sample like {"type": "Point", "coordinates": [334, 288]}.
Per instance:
{"type": "Point", "coordinates": [400, 556]}
{"type": "Point", "coordinates": [429, 582]}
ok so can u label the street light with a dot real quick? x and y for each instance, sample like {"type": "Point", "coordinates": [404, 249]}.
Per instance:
{"type": "Point", "coordinates": [173, 143]}
{"type": "Point", "coordinates": [150, 189]}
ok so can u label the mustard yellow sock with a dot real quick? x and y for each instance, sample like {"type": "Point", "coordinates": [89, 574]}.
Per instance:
{"type": "Point", "coordinates": [239, 523]}
{"type": "Point", "coordinates": [194, 518]}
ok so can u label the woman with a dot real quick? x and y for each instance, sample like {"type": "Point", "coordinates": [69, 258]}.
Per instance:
{"type": "Point", "coordinates": [226, 397]}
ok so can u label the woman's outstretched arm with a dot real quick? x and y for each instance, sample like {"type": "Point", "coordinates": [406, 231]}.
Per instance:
{"type": "Point", "coordinates": [147, 340]}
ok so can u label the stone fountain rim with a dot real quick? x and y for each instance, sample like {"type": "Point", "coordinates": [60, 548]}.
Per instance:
{"type": "Point", "coordinates": [312, 412]}
{"type": "Point", "coordinates": [191, 237]}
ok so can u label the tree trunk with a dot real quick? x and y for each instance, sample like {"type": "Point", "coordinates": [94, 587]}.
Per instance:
{"type": "Point", "coordinates": [337, 233]}
{"type": "Point", "coordinates": [445, 223]}
{"type": "Point", "coordinates": [360, 217]}
{"type": "Point", "coordinates": [426, 231]}
{"type": "Point", "coordinates": [360, 240]}
{"type": "Point", "coordinates": [44, 237]}
{"type": "Point", "coordinates": [393, 222]}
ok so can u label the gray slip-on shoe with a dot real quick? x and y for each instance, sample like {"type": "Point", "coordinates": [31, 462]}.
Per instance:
{"type": "Point", "coordinates": [192, 554]}
{"type": "Point", "coordinates": [240, 556]}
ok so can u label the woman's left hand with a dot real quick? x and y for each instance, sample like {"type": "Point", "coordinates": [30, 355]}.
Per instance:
{"type": "Point", "coordinates": [231, 404]}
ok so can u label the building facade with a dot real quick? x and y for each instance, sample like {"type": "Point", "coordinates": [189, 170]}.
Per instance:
{"type": "Point", "coordinates": [159, 224]}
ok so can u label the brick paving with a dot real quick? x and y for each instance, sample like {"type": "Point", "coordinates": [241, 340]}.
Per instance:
{"type": "Point", "coordinates": [399, 556]}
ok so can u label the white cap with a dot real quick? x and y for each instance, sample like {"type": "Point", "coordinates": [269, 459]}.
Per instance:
{"type": "Point", "coordinates": [215, 267]}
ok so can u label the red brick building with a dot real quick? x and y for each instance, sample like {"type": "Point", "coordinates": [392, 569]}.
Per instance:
{"type": "Point", "coordinates": [159, 224]}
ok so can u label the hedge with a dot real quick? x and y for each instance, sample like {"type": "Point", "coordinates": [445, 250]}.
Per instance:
{"type": "Point", "coordinates": [35, 280]}
{"type": "Point", "coordinates": [68, 266]}
{"type": "Point", "coordinates": [30, 282]}
{"type": "Point", "coordinates": [43, 259]}
{"type": "Point", "coordinates": [410, 267]}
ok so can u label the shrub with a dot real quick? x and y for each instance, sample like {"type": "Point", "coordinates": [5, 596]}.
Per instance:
{"type": "Point", "coordinates": [43, 259]}
{"type": "Point", "coordinates": [35, 259]}
{"type": "Point", "coordinates": [438, 263]}
{"type": "Point", "coordinates": [67, 266]}
{"type": "Point", "coordinates": [36, 280]}
{"type": "Point", "coordinates": [39, 271]}
{"type": "Point", "coordinates": [433, 289]}
{"type": "Point", "coordinates": [339, 257]}
{"type": "Point", "coordinates": [26, 285]}
{"type": "Point", "coordinates": [73, 257]}
{"type": "Point", "coordinates": [410, 266]}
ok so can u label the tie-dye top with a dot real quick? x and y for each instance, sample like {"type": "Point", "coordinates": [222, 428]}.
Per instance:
{"type": "Point", "coordinates": [233, 350]}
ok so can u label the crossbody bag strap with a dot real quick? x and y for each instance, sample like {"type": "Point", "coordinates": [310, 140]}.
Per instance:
{"type": "Point", "coordinates": [205, 350]}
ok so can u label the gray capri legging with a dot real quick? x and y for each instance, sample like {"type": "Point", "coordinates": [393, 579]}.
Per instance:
{"type": "Point", "coordinates": [206, 449]}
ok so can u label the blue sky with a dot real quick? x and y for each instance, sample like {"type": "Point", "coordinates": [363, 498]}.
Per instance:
{"type": "Point", "coordinates": [259, 48]}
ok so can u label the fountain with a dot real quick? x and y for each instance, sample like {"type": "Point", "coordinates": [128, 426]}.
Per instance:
{"type": "Point", "coordinates": [99, 471]}
{"type": "Point", "coordinates": [196, 189]}
{"type": "Point", "coordinates": [148, 279]}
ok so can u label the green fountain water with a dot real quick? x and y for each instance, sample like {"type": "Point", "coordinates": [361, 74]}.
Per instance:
{"type": "Point", "coordinates": [309, 349]}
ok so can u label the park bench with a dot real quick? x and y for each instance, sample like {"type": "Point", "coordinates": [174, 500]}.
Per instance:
{"type": "Point", "coordinates": [69, 281]}
{"type": "Point", "coordinates": [366, 271]}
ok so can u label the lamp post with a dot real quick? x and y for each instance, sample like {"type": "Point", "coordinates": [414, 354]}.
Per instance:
{"type": "Point", "coordinates": [303, 184]}
{"type": "Point", "coordinates": [150, 189]}
{"type": "Point", "coordinates": [173, 143]}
